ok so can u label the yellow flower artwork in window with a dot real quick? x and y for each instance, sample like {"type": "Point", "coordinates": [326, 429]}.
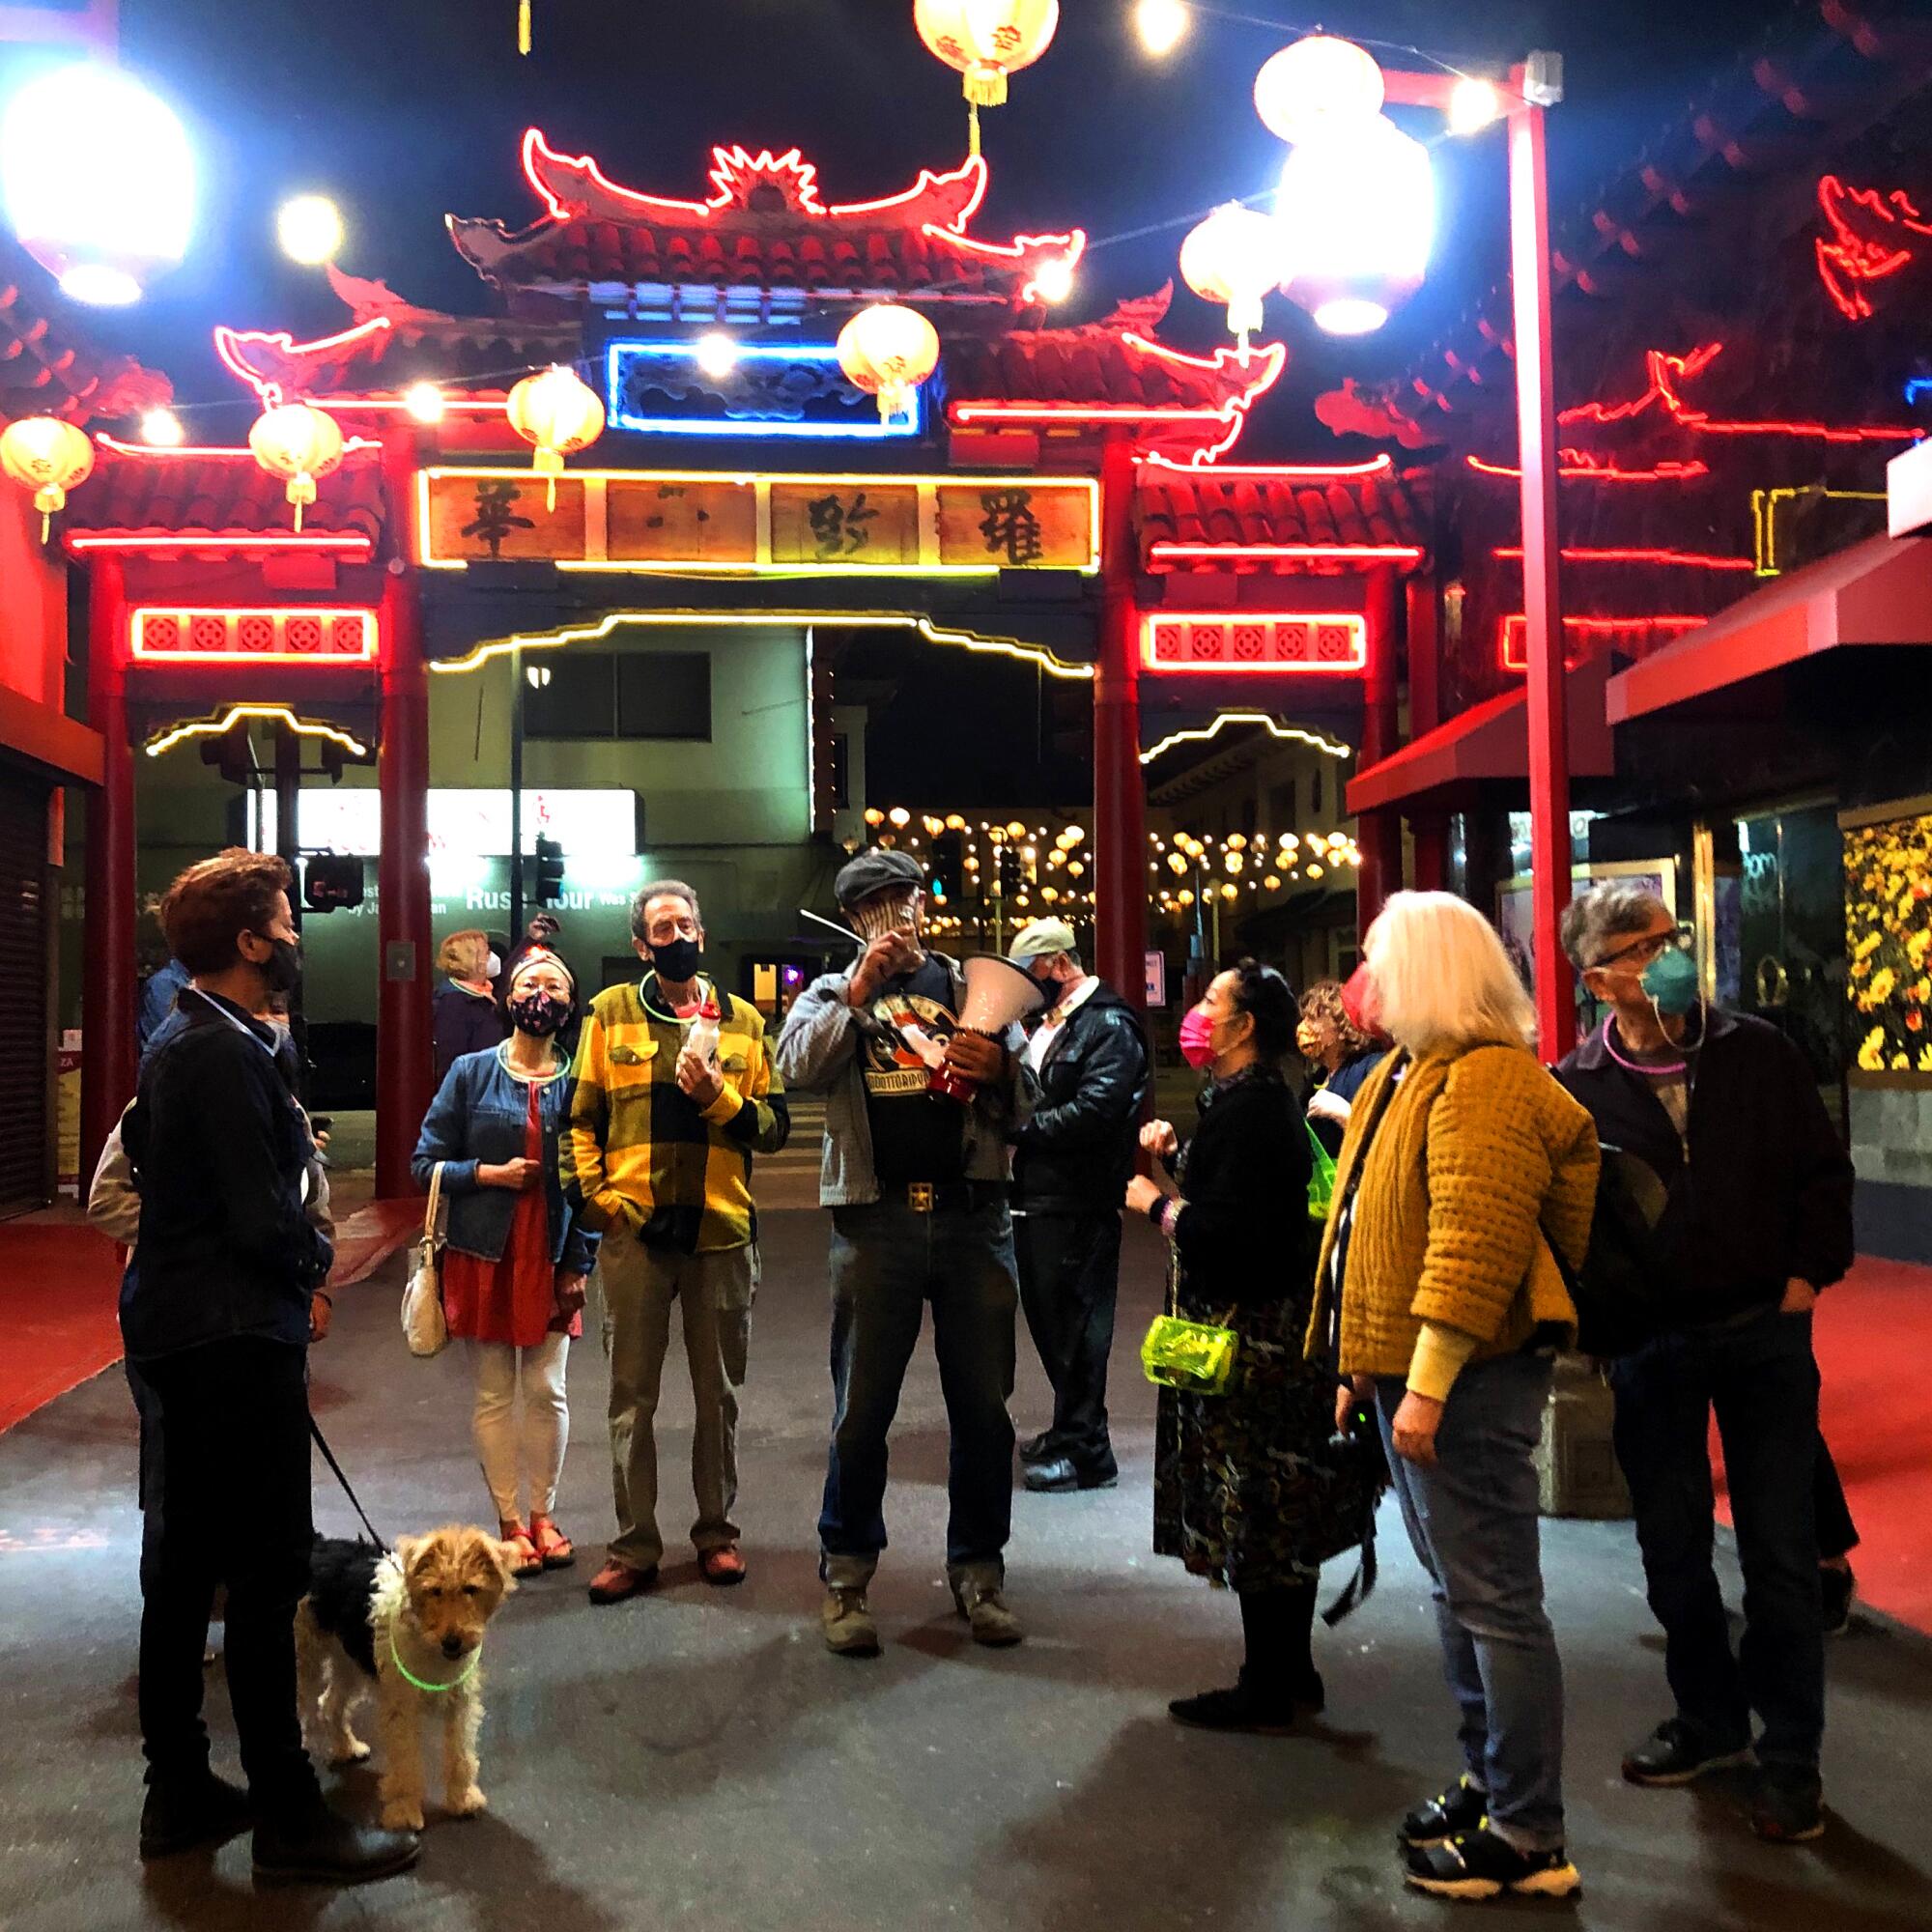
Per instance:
{"type": "Point", "coordinates": [1888, 938]}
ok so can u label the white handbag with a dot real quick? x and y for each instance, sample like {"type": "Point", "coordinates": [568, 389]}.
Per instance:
{"type": "Point", "coordinates": [424, 1327]}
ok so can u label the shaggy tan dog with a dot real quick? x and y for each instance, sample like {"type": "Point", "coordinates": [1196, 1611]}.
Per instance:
{"type": "Point", "coordinates": [411, 1626]}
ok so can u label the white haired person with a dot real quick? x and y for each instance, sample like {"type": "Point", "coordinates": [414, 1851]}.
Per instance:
{"type": "Point", "coordinates": [519, 1256]}
{"type": "Point", "coordinates": [1438, 1298]}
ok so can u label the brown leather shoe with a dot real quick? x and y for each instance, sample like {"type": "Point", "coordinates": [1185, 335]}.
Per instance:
{"type": "Point", "coordinates": [616, 1581]}
{"type": "Point", "coordinates": [724, 1565]}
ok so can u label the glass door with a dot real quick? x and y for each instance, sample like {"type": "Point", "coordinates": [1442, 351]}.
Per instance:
{"type": "Point", "coordinates": [1791, 938]}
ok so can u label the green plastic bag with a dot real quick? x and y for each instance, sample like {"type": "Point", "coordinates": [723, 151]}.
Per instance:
{"type": "Point", "coordinates": [1321, 1179]}
{"type": "Point", "coordinates": [1192, 1357]}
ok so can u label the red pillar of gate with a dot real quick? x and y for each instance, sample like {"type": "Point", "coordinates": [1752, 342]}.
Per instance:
{"type": "Point", "coordinates": [1428, 827]}
{"type": "Point", "coordinates": [1378, 832]}
{"type": "Point", "coordinates": [108, 987]}
{"type": "Point", "coordinates": [1542, 598]}
{"type": "Point", "coordinates": [1119, 791]}
{"type": "Point", "coordinates": [404, 1061]}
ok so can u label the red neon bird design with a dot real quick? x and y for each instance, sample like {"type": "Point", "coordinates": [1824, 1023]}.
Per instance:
{"type": "Point", "coordinates": [1873, 235]}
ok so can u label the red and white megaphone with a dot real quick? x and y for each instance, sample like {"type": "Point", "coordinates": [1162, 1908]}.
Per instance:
{"type": "Point", "coordinates": [998, 993]}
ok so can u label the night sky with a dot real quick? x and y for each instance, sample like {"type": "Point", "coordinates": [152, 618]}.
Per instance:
{"type": "Point", "coordinates": [406, 109]}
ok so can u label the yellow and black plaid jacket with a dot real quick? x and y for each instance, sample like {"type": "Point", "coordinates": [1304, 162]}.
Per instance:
{"type": "Point", "coordinates": [638, 1152]}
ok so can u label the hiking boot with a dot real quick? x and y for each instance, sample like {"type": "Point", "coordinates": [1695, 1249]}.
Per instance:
{"type": "Point", "coordinates": [1786, 1809]}
{"type": "Point", "coordinates": [848, 1625]}
{"type": "Point", "coordinates": [1479, 1864]}
{"type": "Point", "coordinates": [1678, 1752]}
{"type": "Point", "coordinates": [986, 1609]}
{"type": "Point", "coordinates": [1839, 1588]}
{"type": "Point", "coordinates": [1459, 1809]}
{"type": "Point", "coordinates": [724, 1566]}
{"type": "Point", "coordinates": [616, 1581]}
{"type": "Point", "coordinates": [180, 1814]}
{"type": "Point", "coordinates": [321, 1846]}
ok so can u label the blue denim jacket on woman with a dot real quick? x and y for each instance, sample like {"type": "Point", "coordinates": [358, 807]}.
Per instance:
{"type": "Point", "coordinates": [479, 1117]}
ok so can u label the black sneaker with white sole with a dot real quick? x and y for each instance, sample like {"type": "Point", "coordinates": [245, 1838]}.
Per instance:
{"type": "Point", "coordinates": [1786, 1805]}
{"type": "Point", "coordinates": [1679, 1751]}
{"type": "Point", "coordinates": [1459, 1809]}
{"type": "Point", "coordinates": [1479, 1864]}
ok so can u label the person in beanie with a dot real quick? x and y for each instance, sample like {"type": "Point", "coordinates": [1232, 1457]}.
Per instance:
{"type": "Point", "coordinates": [1070, 1168]}
{"type": "Point", "coordinates": [917, 1185]}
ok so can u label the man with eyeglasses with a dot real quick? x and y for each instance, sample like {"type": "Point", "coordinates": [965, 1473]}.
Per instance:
{"type": "Point", "coordinates": [1751, 1219]}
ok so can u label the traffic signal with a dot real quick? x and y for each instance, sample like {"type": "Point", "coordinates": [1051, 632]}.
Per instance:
{"type": "Point", "coordinates": [232, 753]}
{"type": "Point", "coordinates": [332, 880]}
{"type": "Point", "coordinates": [549, 872]}
{"type": "Point", "coordinates": [945, 877]}
{"type": "Point", "coordinates": [1013, 873]}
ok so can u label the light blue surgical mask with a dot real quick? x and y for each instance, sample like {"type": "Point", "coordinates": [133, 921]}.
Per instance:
{"type": "Point", "coordinates": [1670, 983]}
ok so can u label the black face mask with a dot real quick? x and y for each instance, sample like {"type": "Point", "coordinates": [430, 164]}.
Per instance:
{"type": "Point", "coordinates": [1054, 990]}
{"type": "Point", "coordinates": [677, 960]}
{"type": "Point", "coordinates": [282, 969]}
{"type": "Point", "coordinates": [539, 1014]}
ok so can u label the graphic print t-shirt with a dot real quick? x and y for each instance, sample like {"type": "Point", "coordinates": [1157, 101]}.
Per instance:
{"type": "Point", "coordinates": [916, 1135]}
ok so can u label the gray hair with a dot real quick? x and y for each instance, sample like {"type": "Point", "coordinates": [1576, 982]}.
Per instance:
{"type": "Point", "coordinates": [661, 888]}
{"type": "Point", "coordinates": [1607, 913]}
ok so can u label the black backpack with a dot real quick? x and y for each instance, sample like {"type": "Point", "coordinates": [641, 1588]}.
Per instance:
{"type": "Point", "coordinates": [1621, 1292]}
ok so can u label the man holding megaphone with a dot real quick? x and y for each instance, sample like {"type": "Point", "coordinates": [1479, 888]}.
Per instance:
{"type": "Point", "coordinates": [921, 1062]}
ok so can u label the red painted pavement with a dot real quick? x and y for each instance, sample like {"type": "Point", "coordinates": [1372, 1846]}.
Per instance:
{"type": "Point", "coordinates": [59, 1287]}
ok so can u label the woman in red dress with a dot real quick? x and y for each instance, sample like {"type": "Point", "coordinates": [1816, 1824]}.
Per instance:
{"type": "Point", "coordinates": [514, 1267]}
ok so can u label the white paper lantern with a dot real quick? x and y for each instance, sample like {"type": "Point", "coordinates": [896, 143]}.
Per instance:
{"type": "Point", "coordinates": [558, 413]}
{"type": "Point", "coordinates": [1234, 257]}
{"type": "Point", "coordinates": [1319, 82]}
{"type": "Point", "coordinates": [98, 179]}
{"type": "Point", "coordinates": [1358, 218]}
{"type": "Point", "coordinates": [300, 442]}
{"type": "Point", "coordinates": [889, 350]}
{"type": "Point", "coordinates": [48, 457]}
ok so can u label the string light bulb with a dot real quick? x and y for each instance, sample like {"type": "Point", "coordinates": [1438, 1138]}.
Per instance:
{"type": "Point", "coordinates": [1161, 24]}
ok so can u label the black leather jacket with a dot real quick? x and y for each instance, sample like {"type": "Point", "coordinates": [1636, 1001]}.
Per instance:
{"type": "Point", "coordinates": [1076, 1152]}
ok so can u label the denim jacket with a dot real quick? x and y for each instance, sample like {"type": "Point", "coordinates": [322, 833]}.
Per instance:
{"type": "Point", "coordinates": [478, 1117]}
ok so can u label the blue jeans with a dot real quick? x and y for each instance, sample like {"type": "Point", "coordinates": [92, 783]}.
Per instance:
{"type": "Point", "coordinates": [886, 1263]}
{"type": "Point", "coordinates": [1762, 1380]}
{"type": "Point", "coordinates": [1473, 1520]}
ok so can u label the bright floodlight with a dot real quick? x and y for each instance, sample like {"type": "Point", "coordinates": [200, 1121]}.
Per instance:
{"type": "Point", "coordinates": [424, 402]}
{"type": "Point", "coordinates": [98, 180]}
{"type": "Point", "coordinates": [163, 428]}
{"type": "Point", "coordinates": [1473, 104]}
{"type": "Point", "coordinates": [1357, 214]}
{"type": "Point", "coordinates": [1054, 282]}
{"type": "Point", "coordinates": [1162, 25]}
{"type": "Point", "coordinates": [309, 228]}
{"type": "Point", "coordinates": [716, 356]}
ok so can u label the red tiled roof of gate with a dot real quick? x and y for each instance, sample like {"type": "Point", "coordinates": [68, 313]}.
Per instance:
{"type": "Point", "coordinates": [764, 227]}
{"type": "Point", "coordinates": [45, 369]}
{"type": "Point", "coordinates": [219, 499]}
{"type": "Point", "coordinates": [1324, 521]}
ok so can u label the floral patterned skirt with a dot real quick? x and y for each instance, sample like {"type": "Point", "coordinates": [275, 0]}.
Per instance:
{"type": "Point", "coordinates": [1245, 1492]}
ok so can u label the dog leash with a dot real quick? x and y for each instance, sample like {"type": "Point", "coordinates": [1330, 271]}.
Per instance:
{"type": "Point", "coordinates": [328, 1457]}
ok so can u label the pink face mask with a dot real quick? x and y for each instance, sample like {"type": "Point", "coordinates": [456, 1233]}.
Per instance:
{"type": "Point", "coordinates": [1197, 1038]}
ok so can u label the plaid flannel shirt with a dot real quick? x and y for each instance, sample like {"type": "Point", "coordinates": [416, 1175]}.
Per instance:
{"type": "Point", "coordinates": [638, 1152]}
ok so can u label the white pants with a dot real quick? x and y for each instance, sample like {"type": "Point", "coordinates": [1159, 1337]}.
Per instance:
{"type": "Point", "coordinates": [507, 1451]}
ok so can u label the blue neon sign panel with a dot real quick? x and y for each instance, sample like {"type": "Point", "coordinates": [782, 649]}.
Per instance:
{"type": "Point", "coordinates": [792, 389]}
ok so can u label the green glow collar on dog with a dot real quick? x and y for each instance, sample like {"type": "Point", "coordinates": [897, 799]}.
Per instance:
{"type": "Point", "coordinates": [467, 1671]}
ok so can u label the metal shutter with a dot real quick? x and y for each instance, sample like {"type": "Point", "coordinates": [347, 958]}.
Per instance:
{"type": "Point", "coordinates": [26, 1122]}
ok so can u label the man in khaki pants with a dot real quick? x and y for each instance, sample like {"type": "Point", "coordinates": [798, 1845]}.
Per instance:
{"type": "Point", "coordinates": [674, 1093]}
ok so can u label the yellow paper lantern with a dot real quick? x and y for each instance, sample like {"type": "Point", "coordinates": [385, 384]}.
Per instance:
{"type": "Point", "coordinates": [889, 350]}
{"type": "Point", "coordinates": [48, 457]}
{"type": "Point", "coordinates": [985, 40]}
{"type": "Point", "coordinates": [300, 442]}
{"type": "Point", "coordinates": [558, 413]}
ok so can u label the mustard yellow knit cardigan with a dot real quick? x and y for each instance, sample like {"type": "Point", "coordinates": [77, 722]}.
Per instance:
{"type": "Point", "coordinates": [1475, 1146]}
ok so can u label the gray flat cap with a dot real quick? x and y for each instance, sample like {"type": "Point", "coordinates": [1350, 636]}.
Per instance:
{"type": "Point", "coordinates": [873, 870]}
